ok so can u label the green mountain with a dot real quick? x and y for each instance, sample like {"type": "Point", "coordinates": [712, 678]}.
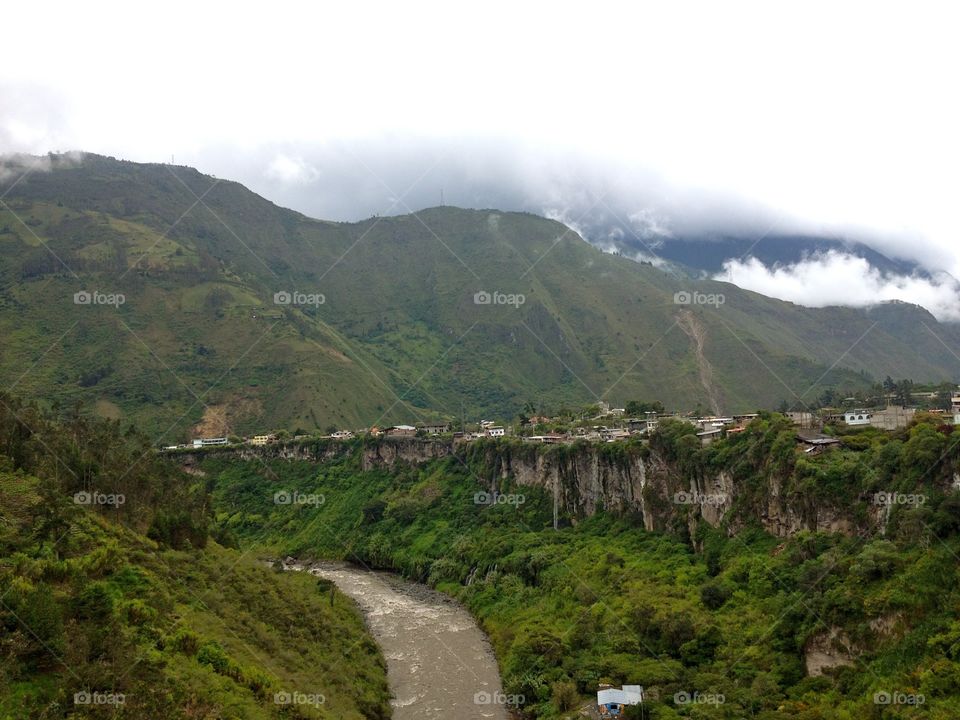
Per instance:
{"type": "Point", "coordinates": [200, 345]}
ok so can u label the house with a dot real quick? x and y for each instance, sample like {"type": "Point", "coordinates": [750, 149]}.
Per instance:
{"type": "Point", "coordinates": [816, 443]}
{"type": "Point", "coordinates": [708, 436]}
{"type": "Point", "coordinates": [892, 417]}
{"type": "Point", "coordinates": [615, 434]}
{"type": "Point", "coordinates": [263, 439]}
{"type": "Point", "coordinates": [713, 423]}
{"type": "Point", "coordinates": [547, 439]}
{"type": "Point", "coordinates": [646, 424]}
{"type": "Point", "coordinates": [611, 701]}
{"type": "Point", "coordinates": [539, 420]}
{"type": "Point", "coordinates": [495, 431]}
{"type": "Point", "coordinates": [342, 435]}
{"type": "Point", "coordinates": [955, 408]}
{"type": "Point", "coordinates": [375, 431]}
{"type": "Point", "coordinates": [401, 431]}
{"type": "Point", "coordinates": [801, 419]}
{"type": "Point", "coordinates": [856, 417]}
{"type": "Point", "coordinates": [207, 442]}
{"type": "Point", "coordinates": [434, 428]}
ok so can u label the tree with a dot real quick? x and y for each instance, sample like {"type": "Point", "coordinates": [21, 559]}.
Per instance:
{"type": "Point", "coordinates": [565, 695]}
{"type": "Point", "coordinates": [903, 392]}
{"type": "Point", "coordinates": [635, 408]}
{"type": "Point", "coordinates": [216, 300]}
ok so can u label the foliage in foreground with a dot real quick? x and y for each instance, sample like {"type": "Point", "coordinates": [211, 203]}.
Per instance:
{"type": "Point", "coordinates": [98, 619]}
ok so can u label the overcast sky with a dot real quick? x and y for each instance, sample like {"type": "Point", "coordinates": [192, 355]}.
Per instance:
{"type": "Point", "coordinates": [678, 118]}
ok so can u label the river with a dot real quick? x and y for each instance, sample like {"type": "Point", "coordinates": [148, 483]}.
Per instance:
{"type": "Point", "coordinates": [439, 663]}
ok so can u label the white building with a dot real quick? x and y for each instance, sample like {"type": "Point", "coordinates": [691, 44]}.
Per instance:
{"type": "Point", "coordinates": [611, 701]}
{"type": "Point", "coordinates": [495, 431]}
{"type": "Point", "coordinates": [434, 428]}
{"type": "Point", "coordinates": [402, 431]}
{"type": "Point", "coordinates": [207, 442]}
{"type": "Point", "coordinates": [856, 417]}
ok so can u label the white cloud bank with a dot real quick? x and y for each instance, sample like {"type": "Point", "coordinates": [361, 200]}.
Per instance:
{"type": "Point", "coordinates": [745, 117]}
{"type": "Point", "coordinates": [836, 278]}
{"type": "Point", "coordinates": [291, 170]}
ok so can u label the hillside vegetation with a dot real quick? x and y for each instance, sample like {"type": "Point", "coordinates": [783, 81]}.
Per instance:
{"type": "Point", "coordinates": [198, 345]}
{"type": "Point", "coordinates": [716, 622]}
{"type": "Point", "coordinates": [114, 602]}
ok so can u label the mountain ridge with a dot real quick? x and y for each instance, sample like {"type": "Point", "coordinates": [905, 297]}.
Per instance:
{"type": "Point", "coordinates": [399, 334]}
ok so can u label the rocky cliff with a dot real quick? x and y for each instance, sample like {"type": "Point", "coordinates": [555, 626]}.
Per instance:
{"type": "Point", "coordinates": [584, 478]}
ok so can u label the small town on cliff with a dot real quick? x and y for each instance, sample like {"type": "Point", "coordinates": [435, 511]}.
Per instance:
{"type": "Point", "coordinates": [815, 421]}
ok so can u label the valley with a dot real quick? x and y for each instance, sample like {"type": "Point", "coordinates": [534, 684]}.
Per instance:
{"type": "Point", "coordinates": [787, 585]}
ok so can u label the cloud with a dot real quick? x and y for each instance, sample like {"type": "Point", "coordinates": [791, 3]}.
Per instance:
{"type": "Point", "coordinates": [32, 119]}
{"type": "Point", "coordinates": [291, 170]}
{"type": "Point", "coordinates": [724, 126]}
{"type": "Point", "coordinates": [837, 278]}
{"type": "Point", "coordinates": [14, 166]}
{"type": "Point", "coordinates": [649, 226]}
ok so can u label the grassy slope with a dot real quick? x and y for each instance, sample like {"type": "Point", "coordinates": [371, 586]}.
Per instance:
{"type": "Point", "coordinates": [607, 602]}
{"type": "Point", "coordinates": [203, 633]}
{"type": "Point", "coordinates": [399, 318]}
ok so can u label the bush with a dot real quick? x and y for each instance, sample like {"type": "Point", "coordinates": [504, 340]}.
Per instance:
{"type": "Point", "coordinates": [714, 595]}
{"type": "Point", "coordinates": [177, 530]}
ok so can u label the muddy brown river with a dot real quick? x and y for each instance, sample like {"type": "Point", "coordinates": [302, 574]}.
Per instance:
{"type": "Point", "coordinates": [439, 663]}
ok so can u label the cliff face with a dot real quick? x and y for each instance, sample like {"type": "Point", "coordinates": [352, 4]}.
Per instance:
{"type": "Point", "coordinates": [585, 478]}
{"type": "Point", "coordinates": [190, 460]}
{"type": "Point", "coordinates": [411, 451]}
